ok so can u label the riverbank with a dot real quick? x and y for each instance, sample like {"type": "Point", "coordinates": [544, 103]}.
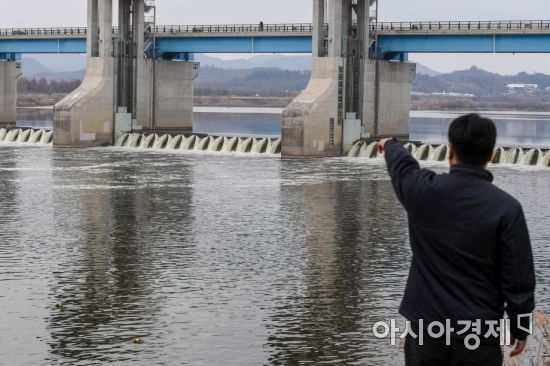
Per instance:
{"type": "Point", "coordinates": [45, 100]}
{"type": "Point", "coordinates": [516, 103]}
{"type": "Point", "coordinates": [418, 103]}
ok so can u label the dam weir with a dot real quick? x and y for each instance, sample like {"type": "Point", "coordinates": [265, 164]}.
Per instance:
{"type": "Point", "coordinates": [435, 152]}
{"type": "Point", "coordinates": [270, 146]}
{"type": "Point", "coordinates": [224, 144]}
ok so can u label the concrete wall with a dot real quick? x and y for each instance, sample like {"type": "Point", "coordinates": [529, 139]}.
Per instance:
{"type": "Point", "coordinates": [307, 120]}
{"type": "Point", "coordinates": [311, 126]}
{"type": "Point", "coordinates": [394, 98]}
{"type": "Point", "coordinates": [85, 117]}
{"type": "Point", "coordinates": [173, 93]}
{"type": "Point", "coordinates": [8, 92]}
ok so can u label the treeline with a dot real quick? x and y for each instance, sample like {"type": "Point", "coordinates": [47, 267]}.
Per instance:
{"type": "Point", "coordinates": [476, 81]}
{"type": "Point", "coordinates": [262, 81]}
{"type": "Point", "coordinates": [45, 86]}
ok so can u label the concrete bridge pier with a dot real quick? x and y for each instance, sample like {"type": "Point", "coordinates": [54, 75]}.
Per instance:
{"type": "Point", "coordinates": [9, 72]}
{"type": "Point", "coordinates": [351, 94]}
{"type": "Point", "coordinates": [126, 87]}
{"type": "Point", "coordinates": [85, 117]}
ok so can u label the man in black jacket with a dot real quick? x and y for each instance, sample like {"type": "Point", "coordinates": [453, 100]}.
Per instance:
{"type": "Point", "coordinates": [472, 257]}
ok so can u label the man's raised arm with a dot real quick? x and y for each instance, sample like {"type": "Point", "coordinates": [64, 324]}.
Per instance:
{"type": "Point", "coordinates": [406, 175]}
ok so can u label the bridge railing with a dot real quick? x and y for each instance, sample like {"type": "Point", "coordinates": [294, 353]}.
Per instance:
{"type": "Point", "coordinates": [236, 28]}
{"type": "Point", "coordinates": [520, 25]}
{"type": "Point", "coordinates": [43, 31]}
{"type": "Point", "coordinates": [526, 25]}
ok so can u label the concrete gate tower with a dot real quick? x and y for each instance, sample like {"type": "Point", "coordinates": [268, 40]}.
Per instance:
{"type": "Point", "coordinates": [125, 86]}
{"type": "Point", "coordinates": [352, 93]}
{"type": "Point", "coordinates": [10, 70]}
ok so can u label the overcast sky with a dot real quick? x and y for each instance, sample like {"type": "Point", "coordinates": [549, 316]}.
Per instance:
{"type": "Point", "coordinates": [40, 13]}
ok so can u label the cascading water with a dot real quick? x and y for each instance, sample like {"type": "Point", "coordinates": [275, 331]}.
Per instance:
{"type": "Point", "coordinates": [35, 136]}
{"type": "Point", "coordinates": [229, 144]}
{"type": "Point", "coordinates": [275, 148]}
{"type": "Point", "coordinates": [423, 152]}
{"type": "Point", "coordinates": [147, 141]}
{"type": "Point", "coordinates": [211, 144]}
{"type": "Point", "coordinates": [160, 142]}
{"type": "Point", "coordinates": [498, 155]}
{"type": "Point", "coordinates": [202, 143]}
{"type": "Point", "coordinates": [121, 140]}
{"type": "Point", "coordinates": [133, 140]}
{"type": "Point", "coordinates": [370, 151]}
{"type": "Point", "coordinates": [216, 144]}
{"type": "Point", "coordinates": [47, 137]}
{"type": "Point", "coordinates": [502, 155]}
{"type": "Point", "coordinates": [511, 156]}
{"type": "Point", "coordinates": [439, 153]}
{"type": "Point", "coordinates": [23, 136]}
{"type": "Point", "coordinates": [258, 146]}
{"type": "Point", "coordinates": [244, 145]}
{"type": "Point", "coordinates": [410, 147]}
{"type": "Point", "coordinates": [12, 135]}
{"type": "Point", "coordinates": [355, 149]}
{"type": "Point", "coordinates": [529, 157]}
{"type": "Point", "coordinates": [173, 142]}
{"type": "Point", "coordinates": [26, 136]}
{"type": "Point", "coordinates": [188, 143]}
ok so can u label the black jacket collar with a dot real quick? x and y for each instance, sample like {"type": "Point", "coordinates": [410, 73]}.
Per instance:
{"type": "Point", "coordinates": [472, 170]}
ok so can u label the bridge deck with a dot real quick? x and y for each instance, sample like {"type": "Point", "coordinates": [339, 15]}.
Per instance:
{"type": "Point", "coordinates": [298, 29]}
{"type": "Point", "coordinates": [394, 38]}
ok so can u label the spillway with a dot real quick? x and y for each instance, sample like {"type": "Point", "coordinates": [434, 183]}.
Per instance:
{"type": "Point", "coordinates": [430, 152]}
{"type": "Point", "coordinates": [23, 136]}
{"type": "Point", "coordinates": [201, 143]}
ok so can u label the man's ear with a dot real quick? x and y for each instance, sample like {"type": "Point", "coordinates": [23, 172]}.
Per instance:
{"type": "Point", "coordinates": [452, 154]}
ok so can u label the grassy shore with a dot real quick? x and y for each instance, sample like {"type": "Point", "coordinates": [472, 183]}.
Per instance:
{"type": "Point", "coordinates": [43, 100]}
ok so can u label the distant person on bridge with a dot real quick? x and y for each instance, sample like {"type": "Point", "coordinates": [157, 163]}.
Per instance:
{"type": "Point", "coordinates": [472, 258]}
{"type": "Point", "coordinates": [261, 26]}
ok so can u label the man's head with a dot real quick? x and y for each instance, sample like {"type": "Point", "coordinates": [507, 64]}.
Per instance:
{"type": "Point", "coordinates": [472, 139]}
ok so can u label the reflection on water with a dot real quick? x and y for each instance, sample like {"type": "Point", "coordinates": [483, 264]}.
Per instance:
{"type": "Point", "coordinates": [346, 285]}
{"type": "Point", "coordinates": [210, 259]}
{"type": "Point", "coordinates": [514, 128]}
{"type": "Point", "coordinates": [35, 117]}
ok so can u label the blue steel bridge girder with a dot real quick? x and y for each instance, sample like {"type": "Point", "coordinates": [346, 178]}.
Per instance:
{"type": "Point", "coordinates": [390, 45]}
{"type": "Point", "coordinates": [38, 45]}
{"type": "Point", "coordinates": [487, 43]}
{"type": "Point", "coordinates": [10, 56]}
{"type": "Point", "coordinates": [237, 44]}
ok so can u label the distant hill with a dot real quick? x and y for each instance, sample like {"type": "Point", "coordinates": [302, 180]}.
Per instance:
{"type": "Point", "coordinates": [60, 62]}
{"type": "Point", "coordinates": [295, 63]}
{"type": "Point", "coordinates": [421, 69]}
{"type": "Point", "coordinates": [263, 81]}
{"type": "Point", "coordinates": [476, 81]}
{"type": "Point", "coordinates": [280, 75]}
{"type": "Point", "coordinates": [52, 66]}
{"type": "Point", "coordinates": [32, 67]}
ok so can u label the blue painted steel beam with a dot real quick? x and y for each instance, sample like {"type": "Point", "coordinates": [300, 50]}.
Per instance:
{"type": "Point", "coordinates": [500, 43]}
{"type": "Point", "coordinates": [243, 44]}
{"type": "Point", "coordinates": [60, 45]}
{"type": "Point", "coordinates": [389, 44]}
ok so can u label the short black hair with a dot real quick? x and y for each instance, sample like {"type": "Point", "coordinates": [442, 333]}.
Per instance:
{"type": "Point", "coordinates": [473, 138]}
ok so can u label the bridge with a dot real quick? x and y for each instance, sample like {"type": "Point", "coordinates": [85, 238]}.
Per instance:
{"type": "Point", "coordinates": [394, 39]}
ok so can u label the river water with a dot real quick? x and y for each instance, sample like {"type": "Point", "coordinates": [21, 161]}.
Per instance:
{"type": "Point", "coordinates": [211, 259]}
